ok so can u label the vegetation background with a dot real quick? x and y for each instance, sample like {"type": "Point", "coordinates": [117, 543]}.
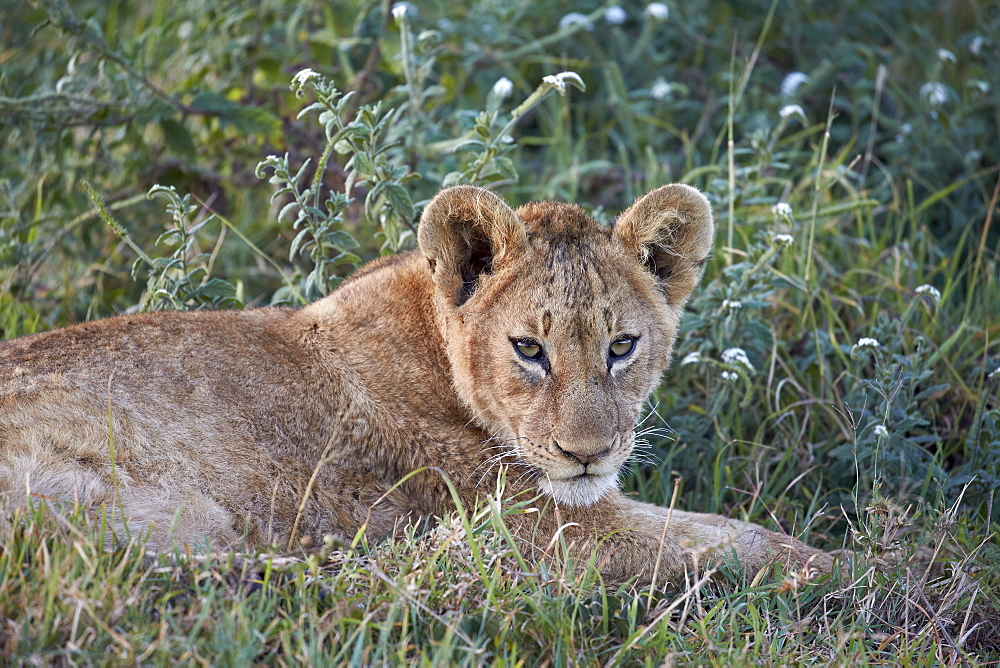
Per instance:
{"type": "Point", "coordinates": [837, 375]}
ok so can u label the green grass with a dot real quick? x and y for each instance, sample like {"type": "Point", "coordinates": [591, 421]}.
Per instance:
{"type": "Point", "coordinates": [441, 597]}
{"type": "Point", "coordinates": [890, 453]}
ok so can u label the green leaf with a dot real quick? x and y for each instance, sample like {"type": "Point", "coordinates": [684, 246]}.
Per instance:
{"type": "Point", "coordinates": [296, 242]}
{"type": "Point", "coordinates": [399, 200]}
{"type": "Point", "coordinates": [255, 120]}
{"type": "Point", "coordinates": [213, 103]}
{"type": "Point", "coordinates": [177, 138]}
{"type": "Point", "coordinates": [286, 210]}
{"type": "Point", "coordinates": [345, 258]}
{"type": "Point", "coordinates": [362, 164]}
{"type": "Point", "coordinates": [216, 288]}
{"type": "Point", "coordinates": [341, 240]}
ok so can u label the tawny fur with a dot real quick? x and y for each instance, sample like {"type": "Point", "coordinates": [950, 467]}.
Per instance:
{"type": "Point", "coordinates": [220, 420]}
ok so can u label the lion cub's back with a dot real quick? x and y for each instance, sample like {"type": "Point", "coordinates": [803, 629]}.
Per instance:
{"type": "Point", "coordinates": [177, 394]}
{"type": "Point", "coordinates": [208, 364]}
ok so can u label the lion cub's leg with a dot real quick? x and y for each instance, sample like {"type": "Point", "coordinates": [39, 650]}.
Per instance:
{"type": "Point", "coordinates": [702, 518]}
{"type": "Point", "coordinates": [634, 539]}
{"type": "Point", "coordinates": [716, 536]}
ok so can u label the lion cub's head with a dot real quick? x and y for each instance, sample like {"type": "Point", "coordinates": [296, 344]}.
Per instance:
{"type": "Point", "coordinates": [557, 327]}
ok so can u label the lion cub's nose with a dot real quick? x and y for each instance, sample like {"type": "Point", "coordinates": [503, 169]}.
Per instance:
{"type": "Point", "coordinates": [581, 457]}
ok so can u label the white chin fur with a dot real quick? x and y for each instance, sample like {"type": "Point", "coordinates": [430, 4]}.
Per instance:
{"type": "Point", "coordinates": [577, 492]}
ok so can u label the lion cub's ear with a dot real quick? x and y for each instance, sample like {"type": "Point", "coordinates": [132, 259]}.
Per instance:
{"type": "Point", "coordinates": [670, 230]}
{"type": "Point", "coordinates": [466, 232]}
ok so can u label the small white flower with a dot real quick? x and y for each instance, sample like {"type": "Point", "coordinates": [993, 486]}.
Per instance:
{"type": "Point", "coordinates": [572, 19]}
{"type": "Point", "coordinates": [185, 30]}
{"type": "Point", "coordinates": [791, 110]}
{"type": "Point", "coordinates": [980, 85]}
{"type": "Point", "coordinates": [864, 343]}
{"type": "Point", "coordinates": [926, 289]}
{"type": "Point", "coordinates": [657, 10]}
{"type": "Point", "coordinates": [736, 356]}
{"type": "Point", "coordinates": [302, 76]}
{"type": "Point", "coordinates": [691, 358]}
{"type": "Point", "coordinates": [976, 45]}
{"type": "Point", "coordinates": [731, 376]}
{"type": "Point", "coordinates": [559, 81]}
{"type": "Point", "coordinates": [782, 210]}
{"type": "Point", "coordinates": [994, 374]}
{"type": "Point", "coordinates": [503, 88]}
{"type": "Point", "coordinates": [661, 90]}
{"type": "Point", "coordinates": [904, 131]}
{"type": "Point", "coordinates": [935, 93]}
{"type": "Point", "coordinates": [615, 15]}
{"type": "Point", "coordinates": [783, 239]}
{"type": "Point", "coordinates": [731, 305]}
{"type": "Point", "coordinates": [791, 83]}
{"type": "Point", "coordinates": [945, 54]}
{"type": "Point", "coordinates": [399, 10]}
{"type": "Point", "coordinates": [881, 431]}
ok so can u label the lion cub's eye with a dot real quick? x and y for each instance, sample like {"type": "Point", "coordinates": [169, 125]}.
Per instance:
{"type": "Point", "coordinates": [528, 349]}
{"type": "Point", "coordinates": [621, 347]}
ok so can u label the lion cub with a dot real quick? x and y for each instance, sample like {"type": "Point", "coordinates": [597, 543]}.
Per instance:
{"type": "Point", "coordinates": [521, 341]}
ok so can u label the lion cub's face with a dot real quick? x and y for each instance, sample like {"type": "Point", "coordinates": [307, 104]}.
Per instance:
{"type": "Point", "coordinates": [558, 328]}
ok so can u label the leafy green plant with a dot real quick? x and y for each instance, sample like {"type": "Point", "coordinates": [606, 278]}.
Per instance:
{"type": "Point", "coordinates": [182, 280]}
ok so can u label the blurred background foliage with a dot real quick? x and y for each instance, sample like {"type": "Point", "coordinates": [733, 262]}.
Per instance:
{"type": "Point", "coordinates": [876, 123]}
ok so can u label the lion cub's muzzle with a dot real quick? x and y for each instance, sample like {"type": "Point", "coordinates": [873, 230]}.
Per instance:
{"type": "Point", "coordinates": [592, 456]}
{"type": "Point", "coordinates": [577, 471]}
{"type": "Point", "coordinates": [582, 456]}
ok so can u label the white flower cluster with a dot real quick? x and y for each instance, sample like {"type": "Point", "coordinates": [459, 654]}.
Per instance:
{"type": "Point", "coordinates": [615, 15]}
{"type": "Point", "coordinates": [926, 289]}
{"type": "Point", "coordinates": [657, 10]}
{"type": "Point", "coordinates": [934, 93]}
{"type": "Point", "coordinates": [401, 9]}
{"type": "Point", "coordinates": [302, 76]}
{"type": "Point", "coordinates": [783, 239]}
{"type": "Point", "coordinates": [572, 19]}
{"type": "Point", "coordinates": [791, 110]}
{"type": "Point", "coordinates": [731, 305]}
{"type": "Point", "coordinates": [691, 358]}
{"type": "Point", "coordinates": [661, 90]}
{"type": "Point", "coordinates": [559, 81]}
{"type": "Point", "coordinates": [782, 210]}
{"type": "Point", "coordinates": [881, 431]}
{"type": "Point", "coordinates": [946, 55]}
{"type": "Point", "coordinates": [865, 342]}
{"type": "Point", "coordinates": [791, 83]}
{"type": "Point", "coordinates": [994, 374]}
{"type": "Point", "coordinates": [737, 356]}
{"type": "Point", "coordinates": [503, 88]}
{"type": "Point", "coordinates": [976, 45]}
